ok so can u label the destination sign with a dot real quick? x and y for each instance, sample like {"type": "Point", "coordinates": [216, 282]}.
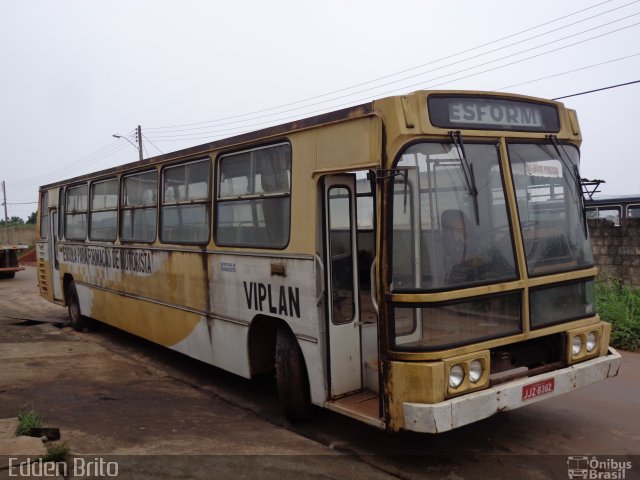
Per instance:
{"type": "Point", "coordinates": [486, 113]}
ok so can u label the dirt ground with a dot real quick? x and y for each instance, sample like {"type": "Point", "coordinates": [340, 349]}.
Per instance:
{"type": "Point", "coordinates": [106, 403]}
{"type": "Point", "coordinates": [162, 415]}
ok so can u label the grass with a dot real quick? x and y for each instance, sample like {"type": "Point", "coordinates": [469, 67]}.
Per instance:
{"type": "Point", "coordinates": [56, 453]}
{"type": "Point", "coordinates": [28, 419]}
{"type": "Point", "coordinates": [620, 305]}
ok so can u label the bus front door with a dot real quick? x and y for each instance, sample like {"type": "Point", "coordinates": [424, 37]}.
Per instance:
{"type": "Point", "coordinates": [53, 254]}
{"type": "Point", "coordinates": [340, 251]}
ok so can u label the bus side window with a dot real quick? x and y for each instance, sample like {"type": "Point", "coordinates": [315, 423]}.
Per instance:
{"type": "Point", "coordinates": [139, 207]}
{"type": "Point", "coordinates": [75, 214]}
{"type": "Point", "coordinates": [253, 206]}
{"type": "Point", "coordinates": [44, 215]}
{"type": "Point", "coordinates": [104, 210]}
{"type": "Point", "coordinates": [185, 203]}
{"type": "Point", "coordinates": [633, 211]}
{"type": "Point", "coordinates": [610, 213]}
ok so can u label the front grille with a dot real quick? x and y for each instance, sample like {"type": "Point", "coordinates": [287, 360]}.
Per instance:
{"type": "Point", "coordinates": [528, 358]}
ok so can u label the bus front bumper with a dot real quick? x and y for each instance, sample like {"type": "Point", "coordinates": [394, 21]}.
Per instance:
{"type": "Point", "coordinates": [456, 412]}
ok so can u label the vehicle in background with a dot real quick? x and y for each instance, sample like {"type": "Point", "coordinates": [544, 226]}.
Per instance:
{"type": "Point", "coordinates": [9, 264]}
{"type": "Point", "coordinates": [613, 208]}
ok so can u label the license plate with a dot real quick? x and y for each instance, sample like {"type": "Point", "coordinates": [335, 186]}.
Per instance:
{"type": "Point", "coordinates": [539, 388]}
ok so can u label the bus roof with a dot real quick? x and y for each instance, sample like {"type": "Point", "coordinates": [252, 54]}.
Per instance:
{"type": "Point", "coordinates": [302, 124]}
{"type": "Point", "coordinates": [273, 132]}
{"type": "Point", "coordinates": [612, 199]}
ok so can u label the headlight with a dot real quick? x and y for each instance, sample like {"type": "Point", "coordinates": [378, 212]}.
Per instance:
{"type": "Point", "coordinates": [592, 341]}
{"type": "Point", "coordinates": [475, 371]}
{"type": "Point", "coordinates": [456, 376]}
{"type": "Point", "coordinates": [576, 345]}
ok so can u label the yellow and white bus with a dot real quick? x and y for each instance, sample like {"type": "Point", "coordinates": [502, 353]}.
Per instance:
{"type": "Point", "coordinates": [418, 262]}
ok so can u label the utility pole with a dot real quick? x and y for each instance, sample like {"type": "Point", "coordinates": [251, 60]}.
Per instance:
{"type": "Point", "coordinates": [139, 135]}
{"type": "Point", "coordinates": [138, 141]}
{"type": "Point", "coordinates": [4, 197]}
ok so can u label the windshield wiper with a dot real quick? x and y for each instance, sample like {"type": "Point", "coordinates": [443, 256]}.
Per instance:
{"type": "Point", "coordinates": [575, 176]}
{"type": "Point", "coordinates": [467, 170]}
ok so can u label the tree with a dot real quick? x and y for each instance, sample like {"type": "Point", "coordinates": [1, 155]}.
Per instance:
{"type": "Point", "coordinates": [12, 221]}
{"type": "Point", "coordinates": [32, 218]}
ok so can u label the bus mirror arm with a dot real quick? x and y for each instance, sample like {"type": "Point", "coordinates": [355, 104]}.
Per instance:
{"type": "Point", "coordinates": [320, 295]}
{"type": "Point", "coordinates": [374, 284]}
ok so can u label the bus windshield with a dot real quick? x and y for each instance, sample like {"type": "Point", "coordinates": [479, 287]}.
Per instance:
{"type": "Point", "coordinates": [449, 230]}
{"type": "Point", "coordinates": [452, 231]}
{"type": "Point", "coordinates": [550, 207]}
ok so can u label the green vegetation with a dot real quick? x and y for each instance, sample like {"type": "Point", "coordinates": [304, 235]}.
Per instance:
{"type": "Point", "coordinates": [28, 419]}
{"type": "Point", "coordinates": [16, 221]}
{"type": "Point", "coordinates": [620, 305]}
{"type": "Point", "coordinates": [12, 221]}
{"type": "Point", "coordinates": [56, 453]}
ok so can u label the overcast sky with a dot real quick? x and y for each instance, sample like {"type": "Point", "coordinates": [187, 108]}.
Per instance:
{"type": "Point", "coordinates": [76, 72]}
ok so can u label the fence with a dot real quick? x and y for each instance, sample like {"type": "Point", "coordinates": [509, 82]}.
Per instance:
{"type": "Point", "coordinates": [616, 249]}
{"type": "Point", "coordinates": [18, 234]}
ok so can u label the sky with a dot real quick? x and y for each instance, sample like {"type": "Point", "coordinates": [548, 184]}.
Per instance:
{"type": "Point", "coordinates": [74, 73]}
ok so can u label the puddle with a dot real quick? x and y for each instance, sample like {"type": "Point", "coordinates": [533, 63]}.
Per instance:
{"type": "Point", "coordinates": [27, 323]}
{"type": "Point", "coordinates": [31, 323]}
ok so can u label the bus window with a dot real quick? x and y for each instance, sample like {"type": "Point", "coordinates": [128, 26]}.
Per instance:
{"type": "Point", "coordinates": [610, 213]}
{"type": "Point", "coordinates": [364, 202]}
{"type": "Point", "coordinates": [185, 206]}
{"type": "Point", "coordinates": [461, 321]}
{"type": "Point", "coordinates": [340, 242]}
{"type": "Point", "coordinates": [44, 215]}
{"type": "Point", "coordinates": [75, 214]}
{"type": "Point", "coordinates": [549, 202]}
{"type": "Point", "coordinates": [633, 211]}
{"type": "Point", "coordinates": [104, 210]}
{"type": "Point", "coordinates": [457, 246]}
{"type": "Point", "coordinates": [254, 198]}
{"type": "Point", "coordinates": [555, 304]}
{"type": "Point", "coordinates": [139, 207]}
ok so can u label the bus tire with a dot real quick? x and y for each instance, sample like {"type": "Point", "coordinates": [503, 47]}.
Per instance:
{"type": "Point", "coordinates": [291, 377]}
{"type": "Point", "coordinates": [78, 321]}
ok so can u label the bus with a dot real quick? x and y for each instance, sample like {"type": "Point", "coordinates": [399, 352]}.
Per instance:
{"type": "Point", "coordinates": [613, 208]}
{"type": "Point", "coordinates": [418, 262]}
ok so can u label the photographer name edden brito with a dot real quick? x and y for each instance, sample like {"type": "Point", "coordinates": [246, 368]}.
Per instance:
{"type": "Point", "coordinates": [80, 467]}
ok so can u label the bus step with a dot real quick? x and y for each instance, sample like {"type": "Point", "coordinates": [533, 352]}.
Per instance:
{"type": "Point", "coordinates": [363, 406]}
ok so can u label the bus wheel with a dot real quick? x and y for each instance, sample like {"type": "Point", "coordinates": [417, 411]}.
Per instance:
{"type": "Point", "coordinates": [291, 376]}
{"type": "Point", "coordinates": [78, 321]}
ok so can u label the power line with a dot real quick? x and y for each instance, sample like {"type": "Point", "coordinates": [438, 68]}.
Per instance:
{"type": "Point", "coordinates": [597, 90]}
{"type": "Point", "coordinates": [99, 154]}
{"type": "Point", "coordinates": [190, 136]}
{"type": "Point", "coordinates": [109, 150]}
{"type": "Point", "coordinates": [52, 176]}
{"type": "Point", "coordinates": [523, 59]}
{"type": "Point", "coordinates": [390, 75]}
{"type": "Point", "coordinates": [145, 137]}
{"type": "Point", "coordinates": [567, 72]}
